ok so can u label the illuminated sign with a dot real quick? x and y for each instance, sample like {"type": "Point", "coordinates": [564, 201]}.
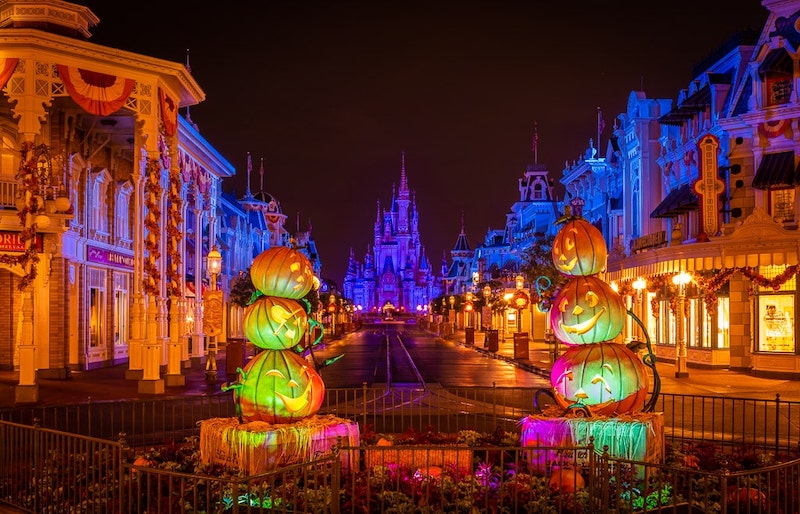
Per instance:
{"type": "Point", "coordinates": [709, 186]}
{"type": "Point", "coordinates": [108, 257]}
{"type": "Point", "coordinates": [12, 242]}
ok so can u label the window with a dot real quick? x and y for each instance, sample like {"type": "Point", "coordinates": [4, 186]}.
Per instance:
{"type": "Point", "coordinates": [96, 317]}
{"type": "Point", "coordinates": [776, 323]}
{"type": "Point", "coordinates": [99, 200]}
{"type": "Point", "coordinates": [776, 72]}
{"type": "Point", "coordinates": [782, 204]}
{"type": "Point", "coordinates": [121, 211]}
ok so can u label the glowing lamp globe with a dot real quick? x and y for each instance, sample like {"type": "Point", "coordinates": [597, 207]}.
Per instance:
{"type": "Point", "coordinates": [606, 378]}
{"type": "Point", "coordinates": [275, 323]}
{"type": "Point", "coordinates": [579, 249]}
{"type": "Point", "coordinates": [278, 387]}
{"type": "Point", "coordinates": [283, 272]}
{"type": "Point", "coordinates": [586, 310]}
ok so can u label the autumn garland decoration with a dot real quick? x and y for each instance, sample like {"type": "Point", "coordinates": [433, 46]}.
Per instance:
{"type": "Point", "coordinates": [28, 177]}
{"type": "Point", "coordinates": [152, 196]}
{"type": "Point", "coordinates": [173, 231]}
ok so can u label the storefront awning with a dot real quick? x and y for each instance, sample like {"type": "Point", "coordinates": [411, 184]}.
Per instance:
{"type": "Point", "coordinates": [679, 200]}
{"type": "Point", "coordinates": [707, 263]}
{"type": "Point", "coordinates": [695, 103]}
{"type": "Point", "coordinates": [776, 170]}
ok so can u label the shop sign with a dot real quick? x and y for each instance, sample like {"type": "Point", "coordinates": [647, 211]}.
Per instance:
{"type": "Point", "coordinates": [109, 257]}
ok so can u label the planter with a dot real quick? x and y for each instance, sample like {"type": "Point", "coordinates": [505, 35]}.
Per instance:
{"type": "Point", "coordinates": [416, 457]}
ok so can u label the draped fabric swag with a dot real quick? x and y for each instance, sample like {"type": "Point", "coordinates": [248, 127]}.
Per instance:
{"type": "Point", "coordinates": [169, 113]}
{"type": "Point", "coordinates": [98, 93]}
{"type": "Point", "coordinates": [7, 67]}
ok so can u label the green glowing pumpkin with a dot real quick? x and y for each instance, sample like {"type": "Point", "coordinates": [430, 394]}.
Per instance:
{"type": "Point", "coordinates": [586, 310]}
{"type": "Point", "coordinates": [606, 378]}
{"type": "Point", "coordinates": [579, 249]}
{"type": "Point", "coordinates": [278, 387]}
{"type": "Point", "coordinates": [275, 323]}
{"type": "Point", "coordinates": [282, 271]}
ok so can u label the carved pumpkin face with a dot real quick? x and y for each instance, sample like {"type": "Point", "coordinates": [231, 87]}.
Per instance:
{"type": "Point", "coordinates": [586, 310]}
{"type": "Point", "coordinates": [607, 378]}
{"type": "Point", "coordinates": [283, 272]}
{"type": "Point", "coordinates": [278, 387]}
{"type": "Point", "coordinates": [275, 323]}
{"type": "Point", "coordinates": [579, 249]}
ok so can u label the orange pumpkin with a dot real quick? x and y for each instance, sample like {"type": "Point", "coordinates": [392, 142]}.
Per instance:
{"type": "Point", "coordinates": [606, 378]}
{"type": "Point", "coordinates": [278, 386]}
{"type": "Point", "coordinates": [566, 481]}
{"type": "Point", "coordinates": [275, 323]}
{"type": "Point", "coordinates": [586, 310]}
{"type": "Point", "coordinates": [579, 249]}
{"type": "Point", "coordinates": [283, 272]}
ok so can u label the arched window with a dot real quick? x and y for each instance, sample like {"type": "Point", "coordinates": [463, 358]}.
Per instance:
{"type": "Point", "coordinates": [122, 228]}
{"type": "Point", "coordinates": [98, 218]}
{"type": "Point", "coordinates": [777, 71]}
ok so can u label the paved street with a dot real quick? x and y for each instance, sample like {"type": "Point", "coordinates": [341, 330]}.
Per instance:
{"type": "Point", "coordinates": [454, 364]}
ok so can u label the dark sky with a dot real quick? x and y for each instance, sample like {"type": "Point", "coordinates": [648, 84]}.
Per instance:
{"type": "Point", "coordinates": [330, 93]}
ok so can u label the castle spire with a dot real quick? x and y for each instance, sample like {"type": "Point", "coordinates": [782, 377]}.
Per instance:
{"type": "Point", "coordinates": [403, 179]}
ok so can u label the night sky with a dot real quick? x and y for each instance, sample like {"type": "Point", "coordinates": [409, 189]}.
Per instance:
{"type": "Point", "coordinates": [330, 93]}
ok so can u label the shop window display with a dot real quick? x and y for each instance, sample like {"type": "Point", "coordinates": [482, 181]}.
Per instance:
{"type": "Point", "coordinates": [776, 323]}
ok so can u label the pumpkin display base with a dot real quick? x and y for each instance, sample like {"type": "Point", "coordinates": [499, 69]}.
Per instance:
{"type": "Point", "coordinates": [257, 446]}
{"type": "Point", "coordinates": [638, 437]}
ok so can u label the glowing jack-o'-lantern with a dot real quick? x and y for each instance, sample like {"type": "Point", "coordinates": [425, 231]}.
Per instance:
{"type": "Point", "coordinates": [586, 310]}
{"type": "Point", "coordinates": [275, 323]}
{"type": "Point", "coordinates": [606, 378]}
{"type": "Point", "coordinates": [283, 272]}
{"type": "Point", "coordinates": [278, 386]}
{"type": "Point", "coordinates": [579, 249]}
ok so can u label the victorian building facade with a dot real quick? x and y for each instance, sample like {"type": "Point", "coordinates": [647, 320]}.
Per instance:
{"type": "Point", "coordinates": [697, 200]}
{"type": "Point", "coordinates": [110, 201]}
{"type": "Point", "coordinates": [395, 274]}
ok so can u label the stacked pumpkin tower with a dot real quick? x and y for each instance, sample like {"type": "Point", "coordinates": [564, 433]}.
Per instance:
{"type": "Point", "coordinates": [279, 392]}
{"type": "Point", "coordinates": [600, 386]}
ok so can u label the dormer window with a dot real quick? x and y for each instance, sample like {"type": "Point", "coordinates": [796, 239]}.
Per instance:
{"type": "Point", "coordinates": [777, 72]}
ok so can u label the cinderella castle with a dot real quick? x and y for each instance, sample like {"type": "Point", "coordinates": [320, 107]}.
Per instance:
{"type": "Point", "coordinates": [395, 273]}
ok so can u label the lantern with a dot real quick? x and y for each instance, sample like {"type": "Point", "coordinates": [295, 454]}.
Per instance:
{"type": "Point", "coordinates": [579, 249]}
{"type": "Point", "coordinates": [278, 387]}
{"type": "Point", "coordinates": [275, 323]}
{"type": "Point", "coordinates": [282, 272]}
{"type": "Point", "coordinates": [607, 378]}
{"type": "Point", "coordinates": [586, 310]}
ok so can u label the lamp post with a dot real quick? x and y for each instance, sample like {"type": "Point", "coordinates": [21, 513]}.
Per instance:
{"type": "Point", "coordinates": [680, 280]}
{"type": "Point", "coordinates": [639, 285]}
{"type": "Point", "coordinates": [487, 309]}
{"type": "Point", "coordinates": [452, 301]}
{"type": "Point", "coordinates": [212, 312]}
{"type": "Point", "coordinates": [468, 308]}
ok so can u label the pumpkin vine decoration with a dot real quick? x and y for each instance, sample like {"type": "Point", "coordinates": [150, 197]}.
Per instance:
{"type": "Point", "coordinates": [152, 199]}
{"type": "Point", "coordinates": [27, 175]}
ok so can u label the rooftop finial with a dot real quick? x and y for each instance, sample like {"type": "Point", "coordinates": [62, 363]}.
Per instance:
{"type": "Point", "coordinates": [261, 172]}
{"type": "Point", "coordinates": [535, 146]}
{"type": "Point", "coordinates": [249, 171]}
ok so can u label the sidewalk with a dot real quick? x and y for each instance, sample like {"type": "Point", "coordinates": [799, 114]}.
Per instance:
{"type": "Point", "coordinates": [701, 382]}
{"type": "Point", "coordinates": [110, 384]}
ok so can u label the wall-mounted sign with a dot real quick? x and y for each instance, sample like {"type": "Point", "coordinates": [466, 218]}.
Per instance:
{"type": "Point", "coordinates": [709, 186]}
{"type": "Point", "coordinates": [108, 257]}
{"type": "Point", "coordinates": [12, 242]}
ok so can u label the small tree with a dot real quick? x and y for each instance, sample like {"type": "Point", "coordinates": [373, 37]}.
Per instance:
{"type": "Point", "coordinates": [242, 289]}
{"type": "Point", "coordinates": [538, 268]}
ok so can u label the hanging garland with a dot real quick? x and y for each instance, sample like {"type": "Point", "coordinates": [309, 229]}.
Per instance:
{"type": "Point", "coordinates": [27, 175]}
{"type": "Point", "coordinates": [152, 196]}
{"type": "Point", "coordinates": [711, 285]}
{"type": "Point", "coordinates": [174, 221]}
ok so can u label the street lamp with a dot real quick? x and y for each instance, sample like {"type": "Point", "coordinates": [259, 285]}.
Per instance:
{"type": "Point", "coordinates": [680, 280]}
{"type": "Point", "coordinates": [212, 312]}
{"type": "Point", "coordinates": [487, 295]}
{"type": "Point", "coordinates": [452, 301]}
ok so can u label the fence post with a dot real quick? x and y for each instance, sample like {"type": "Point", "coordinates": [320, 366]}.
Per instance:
{"type": "Point", "coordinates": [336, 478]}
{"type": "Point", "coordinates": [365, 403]}
{"type": "Point", "coordinates": [777, 420]}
